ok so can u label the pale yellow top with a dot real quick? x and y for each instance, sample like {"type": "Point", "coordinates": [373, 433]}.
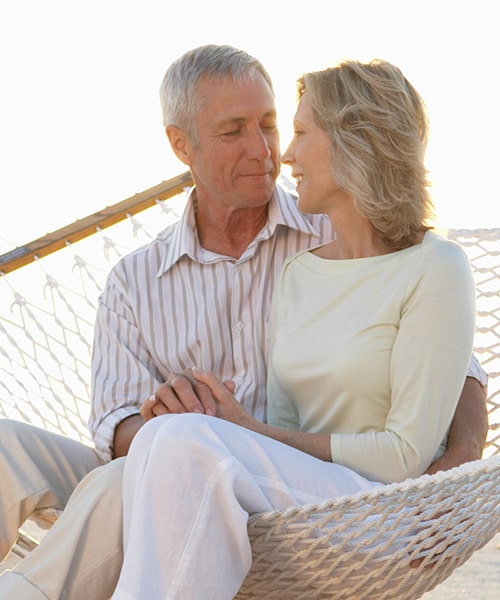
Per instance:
{"type": "Point", "coordinates": [373, 351]}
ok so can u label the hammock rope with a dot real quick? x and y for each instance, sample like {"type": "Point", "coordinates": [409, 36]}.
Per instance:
{"type": "Point", "coordinates": [353, 547]}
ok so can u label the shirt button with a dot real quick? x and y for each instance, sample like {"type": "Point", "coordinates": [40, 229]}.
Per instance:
{"type": "Point", "coordinates": [239, 326]}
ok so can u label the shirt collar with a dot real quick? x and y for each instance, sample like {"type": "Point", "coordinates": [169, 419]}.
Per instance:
{"type": "Point", "coordinates": [181, 239]}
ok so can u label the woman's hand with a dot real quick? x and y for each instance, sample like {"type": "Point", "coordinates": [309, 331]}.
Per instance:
{"type": "Point", "coordinates": [227, 406]}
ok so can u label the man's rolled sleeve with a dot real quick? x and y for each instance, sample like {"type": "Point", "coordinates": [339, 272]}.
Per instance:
{"type": "Point", "coordinates": [105, 431]}
{"type": "Point", "coordinates": [476, 371]}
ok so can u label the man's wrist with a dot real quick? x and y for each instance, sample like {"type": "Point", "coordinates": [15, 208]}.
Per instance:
{"type": "Point", "coordinates": [124, 434]}
{"type": "Point", "coordinates": [461, 453]}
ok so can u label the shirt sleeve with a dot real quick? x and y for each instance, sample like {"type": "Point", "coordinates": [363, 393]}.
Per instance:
{"type": "Point", "coordinates": [429, 362]}
{"type": "Point", "coordinates": [123, 374]}
{"type": "Point", "coordinates": [476, 371]}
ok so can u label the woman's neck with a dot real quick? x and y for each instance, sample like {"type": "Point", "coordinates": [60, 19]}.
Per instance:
{"type": "Point", "coordinates": [355, 237]}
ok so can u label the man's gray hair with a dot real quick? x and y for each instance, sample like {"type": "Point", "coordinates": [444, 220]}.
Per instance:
{"type": "Point", "coordinates": [180, 101]}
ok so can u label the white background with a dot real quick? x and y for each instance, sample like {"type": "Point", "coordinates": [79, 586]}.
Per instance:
{"type": "Point", "coordinates": [80, 124]}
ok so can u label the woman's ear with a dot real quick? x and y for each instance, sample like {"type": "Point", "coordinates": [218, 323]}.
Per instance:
{"type": "Point", "coordinates": [180, 143]}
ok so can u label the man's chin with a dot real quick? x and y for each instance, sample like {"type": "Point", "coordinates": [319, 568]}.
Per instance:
{"type": "Point", "coordinates": [263, 187]}
{"type": "Point", "coordinates": [260, 197]}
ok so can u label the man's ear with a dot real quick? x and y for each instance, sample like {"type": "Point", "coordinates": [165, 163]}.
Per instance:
{"type": "Point", "coordinates": [180, 143]}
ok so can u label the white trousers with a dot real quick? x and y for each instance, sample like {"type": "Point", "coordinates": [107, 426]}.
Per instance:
{"type": "Point", "coordinates": [190, 482]}
{"type": "Point", "coordinates": [37, 469]}
{"type": "Point", "coordinates": [80, 557]}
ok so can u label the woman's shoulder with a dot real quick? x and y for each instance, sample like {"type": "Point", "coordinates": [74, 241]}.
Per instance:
{"type": "Point", "coordinates": [436, 243]}
{"type": "Point", "coordinates": [442, 254]}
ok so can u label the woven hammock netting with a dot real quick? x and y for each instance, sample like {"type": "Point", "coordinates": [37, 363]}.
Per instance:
{"type": "Point", "coordinates": [47, 312]}
{"type": "Point", "coordinates": [351, 548]}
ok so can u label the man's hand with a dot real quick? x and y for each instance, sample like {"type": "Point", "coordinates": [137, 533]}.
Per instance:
{"type": "Point", "coordinates": [465, 441]}
{"type": "Point", "coordinates": [180, 393]}
{"type": "Point", "coordinates": [453, 457]}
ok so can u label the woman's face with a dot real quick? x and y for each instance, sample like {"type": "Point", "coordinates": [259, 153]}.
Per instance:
{"type": "Point", "coordinates": [309, 156]}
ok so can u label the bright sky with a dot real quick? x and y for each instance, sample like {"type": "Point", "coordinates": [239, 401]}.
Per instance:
{"type": "Point", "coordinates": [80, 124]}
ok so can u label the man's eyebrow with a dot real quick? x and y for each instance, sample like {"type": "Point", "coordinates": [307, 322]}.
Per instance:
{"type": "Point", "coordinates": [231, 121]}
{"type": "Point", "coordinates": [270, 113]}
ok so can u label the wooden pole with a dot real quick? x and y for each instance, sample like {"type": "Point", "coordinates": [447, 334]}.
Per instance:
{"type": "Point", "coordinates": [74, 232]}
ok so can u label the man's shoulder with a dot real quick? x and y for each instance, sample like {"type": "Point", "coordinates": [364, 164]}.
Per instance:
{"type": "Point", "coordinates": [151, 253]}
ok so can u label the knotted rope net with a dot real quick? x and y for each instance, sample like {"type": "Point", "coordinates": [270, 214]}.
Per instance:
{"type": "Point", "coordinates": [353, 547]}
{"type": "Point", "coordinates": [47, 312]}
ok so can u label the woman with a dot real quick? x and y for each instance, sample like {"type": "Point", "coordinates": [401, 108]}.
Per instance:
{"type": "Point", "coordinates": [387, 298]}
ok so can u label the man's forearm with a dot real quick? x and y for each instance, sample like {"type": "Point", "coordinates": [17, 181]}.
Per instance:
{"type": "Point", "coordinates": [124, 434]}
{"type": "Point", "coordinates": [468, 429]}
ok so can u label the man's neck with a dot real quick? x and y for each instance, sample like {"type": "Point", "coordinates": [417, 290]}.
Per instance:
{"type": "Point", "coordinates": [230, 233]}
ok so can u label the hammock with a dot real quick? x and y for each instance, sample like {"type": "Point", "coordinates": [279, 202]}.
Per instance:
{"type": "Point", "coordinates": [354, 547]}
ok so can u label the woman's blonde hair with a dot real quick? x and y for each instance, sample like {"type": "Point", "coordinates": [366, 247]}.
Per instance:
{"type": "Point", "coordinates": [378, 126]}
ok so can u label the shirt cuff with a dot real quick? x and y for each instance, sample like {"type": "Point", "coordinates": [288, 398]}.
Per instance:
{"type": "Point", "coordinates": [476, 371]}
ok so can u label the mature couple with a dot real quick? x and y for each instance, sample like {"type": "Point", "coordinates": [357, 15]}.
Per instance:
{"type": "Point", "coordinates": [289, 351]}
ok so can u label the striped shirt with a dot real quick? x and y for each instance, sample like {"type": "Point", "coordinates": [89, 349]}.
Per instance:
{"type": "Point", "coordinates": [171, 305]}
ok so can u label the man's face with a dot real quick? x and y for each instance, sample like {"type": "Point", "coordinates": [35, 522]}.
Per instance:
{"type": "Point", "coordinates": [236, 160]}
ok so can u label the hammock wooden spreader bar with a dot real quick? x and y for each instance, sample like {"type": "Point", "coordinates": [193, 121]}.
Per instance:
{"type": "Point", "coordinates": [45, 245]}
{"type": "Point", "coordinates": [395, 542]}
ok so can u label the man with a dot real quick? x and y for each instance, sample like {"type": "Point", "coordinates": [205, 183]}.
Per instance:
{"type": "Point", "coordinates": [197, 295]}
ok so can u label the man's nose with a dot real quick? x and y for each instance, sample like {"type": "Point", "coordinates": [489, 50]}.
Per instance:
{"type": "Point", "coordinates": [258, 145]}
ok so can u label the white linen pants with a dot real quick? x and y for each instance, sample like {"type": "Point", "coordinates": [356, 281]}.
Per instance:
{"type": "Point", "coordinates": [37, 469]}
{"type": "Point", "coordinates": [190, 482]}
{"type": "Point", "coordinates": [81, 555]}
